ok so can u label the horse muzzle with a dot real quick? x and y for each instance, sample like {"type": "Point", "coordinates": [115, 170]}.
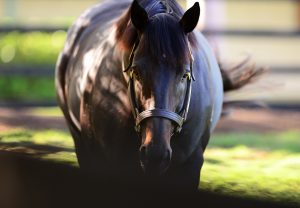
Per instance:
{"type": "Point", "coordinates": [155, 160]}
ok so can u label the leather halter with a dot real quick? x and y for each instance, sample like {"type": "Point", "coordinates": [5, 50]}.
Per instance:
{"type": "Point", "coordinates": [178, 118]}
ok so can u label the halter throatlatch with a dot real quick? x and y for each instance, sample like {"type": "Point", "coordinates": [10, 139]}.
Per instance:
{"type": "Point", "coordinates": [177, 118]}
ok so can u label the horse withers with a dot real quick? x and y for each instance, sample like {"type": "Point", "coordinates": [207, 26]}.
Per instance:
{"type": "Point", "coordinates": [140, 89]}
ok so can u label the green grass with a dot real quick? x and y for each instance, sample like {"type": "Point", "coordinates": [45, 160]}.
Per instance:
{"type": "Point", "coordinates": [264, 166]}
{"type": "Point", "coordinates": [45, 111]}
{"type": "Point", "coordinates": [252, 165]}
{"type": "Point", "coordinates": [285, 141]}
{"type": "Point", "coordinates": [48, 144]}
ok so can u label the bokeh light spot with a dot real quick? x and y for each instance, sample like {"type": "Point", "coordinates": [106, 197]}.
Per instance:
{"type": "Point", "coordinates": [8, 53]}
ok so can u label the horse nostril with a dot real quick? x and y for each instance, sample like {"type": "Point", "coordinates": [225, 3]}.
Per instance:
{"type": "Point", "coordinates": [143, 153]}
{"type": "Point", "coordinates": [155, 160]}
{"type": "Point", "coordinates": [169, 154]}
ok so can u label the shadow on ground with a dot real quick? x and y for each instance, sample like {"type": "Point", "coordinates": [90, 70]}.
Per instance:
{"type": "Point", "coordinates": [12, 118]}
{"type": "Point", "coordinates": [31, 183]}
{"type": "Point", "coordinates": [32, 148]}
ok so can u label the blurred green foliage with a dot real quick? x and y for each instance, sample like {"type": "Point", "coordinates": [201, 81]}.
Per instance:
{"type": "Point", "coordinates": [34, 48]}
{"type": "Point", "coordinates": [20, 88]}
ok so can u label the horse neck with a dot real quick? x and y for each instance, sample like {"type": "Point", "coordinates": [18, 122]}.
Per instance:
{"type": "Point", "coordinates": [114, 57]}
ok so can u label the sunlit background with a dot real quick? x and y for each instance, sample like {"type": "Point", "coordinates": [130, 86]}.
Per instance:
{"type": "Point", "coordinates": [33, 31]}
{"type": "Point", "coordinates": [255, 152]}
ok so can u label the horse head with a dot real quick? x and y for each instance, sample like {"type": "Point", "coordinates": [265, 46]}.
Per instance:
{"type": "Point", "coordinates": [158, 68]}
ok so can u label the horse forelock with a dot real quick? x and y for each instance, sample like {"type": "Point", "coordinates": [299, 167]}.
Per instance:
{"type": "Point", "coordinates": [163, 35]}
{"type": "Point", "coordinates": [164, 40]}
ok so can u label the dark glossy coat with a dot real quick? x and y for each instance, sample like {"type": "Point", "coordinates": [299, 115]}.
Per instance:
{"type": "Point", "coordinates": [92, 93]}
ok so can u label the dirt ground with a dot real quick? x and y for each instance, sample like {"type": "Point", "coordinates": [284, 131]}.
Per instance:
{"type": "Point", "coordinates": [12, 118]}
{"type": "Point", "coordinates": [249, 120]}
{"type": "Point", "coordinates": [259, 120]}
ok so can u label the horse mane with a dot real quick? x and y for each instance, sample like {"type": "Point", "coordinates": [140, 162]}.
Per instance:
{"type": "Point", "coordinates": [162, 37]}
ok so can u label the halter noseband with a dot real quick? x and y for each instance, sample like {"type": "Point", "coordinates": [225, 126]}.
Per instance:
{"type": "Point", "coordinates": [178, 118]}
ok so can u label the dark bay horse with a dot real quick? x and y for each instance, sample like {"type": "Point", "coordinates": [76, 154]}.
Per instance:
{"type": "Point", "coordinates": [140, 89]}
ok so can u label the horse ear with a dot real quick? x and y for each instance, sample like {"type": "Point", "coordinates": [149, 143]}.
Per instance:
{"type": "Point", "coordinates": [190, 18]}
{"type": "Point", "coordinates": [139, 16]}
